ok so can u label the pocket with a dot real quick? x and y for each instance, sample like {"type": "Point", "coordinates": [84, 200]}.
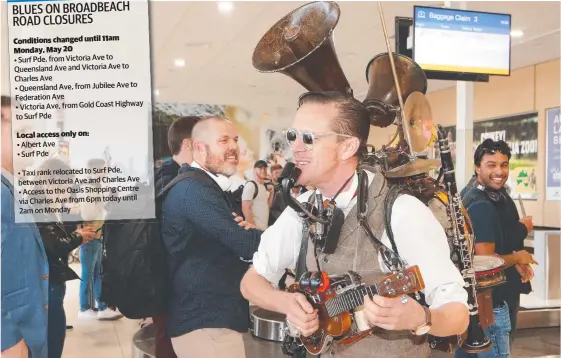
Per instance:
{"type": "Point", "coordinates": [502, 320]}
{"type": "Point", "coordinates": [15, 299]}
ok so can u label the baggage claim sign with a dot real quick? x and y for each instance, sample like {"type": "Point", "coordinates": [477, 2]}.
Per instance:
{"type": "Point", "coordinates": [521, 134]}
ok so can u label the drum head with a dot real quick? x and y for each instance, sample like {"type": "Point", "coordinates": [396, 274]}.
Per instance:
{"type": "Point", "coordinates": [485, 263]}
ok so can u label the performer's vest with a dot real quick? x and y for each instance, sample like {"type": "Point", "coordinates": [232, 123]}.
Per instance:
{"type": "Point", "coordinates": [356, 252]}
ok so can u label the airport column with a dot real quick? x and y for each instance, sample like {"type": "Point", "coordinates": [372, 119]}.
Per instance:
{"type": "Point", "coordinates": [464, 122]}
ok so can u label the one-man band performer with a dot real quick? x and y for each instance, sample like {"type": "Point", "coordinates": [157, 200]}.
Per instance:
{"type": "Point", "coordinates": [329, 133]}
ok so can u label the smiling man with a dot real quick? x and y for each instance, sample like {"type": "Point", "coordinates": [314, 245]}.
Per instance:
{"type": "Point", "coordinates": [328, 136]}
{"type": "Point", "coordinates": [498, 231]}
{"type": "Point", "coordinates": [207, 312]}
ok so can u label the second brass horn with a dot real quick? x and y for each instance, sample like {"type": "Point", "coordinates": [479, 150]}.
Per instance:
{"type": "Point", "coordinates": [300, 46]}
{"type": "Point", "coordinates": [382, 100]}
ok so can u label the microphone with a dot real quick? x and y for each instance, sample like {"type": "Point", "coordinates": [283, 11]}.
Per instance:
{"type": "Point", "coordinates": [288, 179]}
{"type": "Point", "coordinates": [291, 173]}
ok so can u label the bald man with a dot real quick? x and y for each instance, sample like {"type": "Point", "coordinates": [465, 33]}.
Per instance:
{"type": "Point", "coordinates": [25, 270]}
{"type": "Point", "coordinates": [206, 250]}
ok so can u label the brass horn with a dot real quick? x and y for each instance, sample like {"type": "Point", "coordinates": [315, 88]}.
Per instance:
{"type": "Point", "coordinates": [382, 99]}
{"type": "Point", "coordinates": [300, 46]}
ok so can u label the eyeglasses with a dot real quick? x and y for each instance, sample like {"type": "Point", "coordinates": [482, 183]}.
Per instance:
{"type": "Point", "coordinates": [308, 138]}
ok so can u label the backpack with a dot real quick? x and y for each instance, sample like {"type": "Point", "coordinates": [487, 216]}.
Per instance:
{"type": "Point", "coordinates": [135, 275]}
{"type": "Point", "coordinates": [235, 197]}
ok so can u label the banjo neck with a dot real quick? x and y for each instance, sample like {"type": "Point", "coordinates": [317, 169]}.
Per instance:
{"type": "Point", "coordinates": [401, 283]}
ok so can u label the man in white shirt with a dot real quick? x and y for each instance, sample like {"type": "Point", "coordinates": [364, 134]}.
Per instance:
{"type": "Point", "coordinates": [329, 133]}
{"type": "Point", "coordinates": [257, 198]}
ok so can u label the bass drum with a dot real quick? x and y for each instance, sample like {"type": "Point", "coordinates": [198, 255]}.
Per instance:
{"type": "Point", "coordinates": [489, 273]}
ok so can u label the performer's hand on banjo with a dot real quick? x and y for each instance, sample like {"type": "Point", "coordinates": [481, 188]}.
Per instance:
{"type": "Point", "coordinates": [300, 314]}
{"type": "Point", "coordinates": [394, 314]}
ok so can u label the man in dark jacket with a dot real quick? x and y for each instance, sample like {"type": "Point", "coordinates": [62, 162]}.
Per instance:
{"type": "Point", "coordinates": [180, 145]}
{"type": "Point", "coordinates": [206, 249]}
{"type": "Point", "coordinates": [499, 231]}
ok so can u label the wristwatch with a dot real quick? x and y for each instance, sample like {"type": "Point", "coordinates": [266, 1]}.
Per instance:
{"type": "Point", "coordinates": [424, 328]}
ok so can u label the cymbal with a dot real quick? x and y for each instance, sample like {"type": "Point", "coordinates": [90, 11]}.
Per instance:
{"type": "Point", "coordinates": [418, 119]}
{"type": "Point", "coordinates": [415, 167]}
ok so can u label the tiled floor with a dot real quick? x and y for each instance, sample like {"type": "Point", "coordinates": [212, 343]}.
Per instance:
{"type": "Point", "coordinates": [95, 339]}
{"type": "Point", "coordinates": [105, 339]}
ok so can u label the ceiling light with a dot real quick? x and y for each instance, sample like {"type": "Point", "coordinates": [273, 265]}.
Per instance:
{"type": "Point", "coordinates": [517, 33]}
{"type": "Point", "coordinates": [225, 7]}
{"type": "Point", "coordinates": [179, 62]}
{"type": "Point", "coordinates": [157, 92]}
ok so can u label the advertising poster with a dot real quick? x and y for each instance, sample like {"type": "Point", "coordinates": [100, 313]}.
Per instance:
{"type": "Point", "coordinates": [553, 155]}
{"type": "Point", "coordinates": [275, 148]}
{"type": "Point", "coordinates": [521, 134]}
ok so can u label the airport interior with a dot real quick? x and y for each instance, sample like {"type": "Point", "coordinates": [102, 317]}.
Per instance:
{"type": "Point", "coordinates": [236, 59]}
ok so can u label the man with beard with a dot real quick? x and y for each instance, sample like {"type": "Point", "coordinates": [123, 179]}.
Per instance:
{"type": "Point", "coordinates": [328, 136]}
{"type": "Point", "coordinates": [499, 231]}
{"type": "Point", "coordinates": [206, 249]}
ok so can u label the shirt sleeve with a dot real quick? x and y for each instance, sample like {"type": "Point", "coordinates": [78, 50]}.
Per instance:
{"type": "Point", "coordinates": [248, 191]}
{"type": "Point", "coordinates": [483, 216]}
{"type": "Point", "coordinates": [421, 240]}
{"type": "Point", "coordinates": [280, 245]}
{"type": "Point", "coordinates": [211, 216]}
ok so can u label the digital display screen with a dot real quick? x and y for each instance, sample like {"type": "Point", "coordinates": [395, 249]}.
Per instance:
{"type": "Point", "coordinates": [461, 41]}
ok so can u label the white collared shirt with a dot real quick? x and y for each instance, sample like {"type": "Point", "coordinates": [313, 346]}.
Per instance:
{"type": "Point", "coordinates": [223, 181]}
{"type": "Point", "coordinates": [419, 237]}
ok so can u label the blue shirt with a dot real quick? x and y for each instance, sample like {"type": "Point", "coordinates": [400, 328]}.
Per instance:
{"type": "Point", "coordinates": [25, 280]}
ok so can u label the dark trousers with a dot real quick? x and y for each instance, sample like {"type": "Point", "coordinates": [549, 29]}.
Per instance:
{"type": "Point", "coordinates": [57, 320]}
{"type": "Point", "coordinates": [513, 308]}
{"type": "Point", "coordinates": [164, 349]}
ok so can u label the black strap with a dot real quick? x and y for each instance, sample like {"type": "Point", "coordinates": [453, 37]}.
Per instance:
{"type": "Point", "coordinates": [391, 258]}
{"type": "Point", "coordinates": [256, 188]}
{"type": "Point", "coordinates": [301, 263]}
{"type": "Point", "coordinates": [192, 173]}
{"type": "Point", "coordinates": [341, 188]}
{"type": "Point", "coordinates": [394, 192]}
